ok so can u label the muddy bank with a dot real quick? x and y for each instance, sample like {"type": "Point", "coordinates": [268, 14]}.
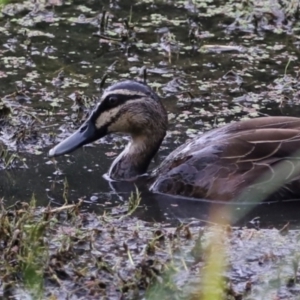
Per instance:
{"type": "Point", "coordinates": [64, 252]}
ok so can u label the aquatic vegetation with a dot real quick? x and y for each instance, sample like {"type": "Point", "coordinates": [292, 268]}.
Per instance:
{"type": "Point", "coordinates": [212, 62]}
{"type": "Point", "coordinates": [61, 252]}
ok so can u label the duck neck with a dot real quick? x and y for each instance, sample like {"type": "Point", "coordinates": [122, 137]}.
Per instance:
{"type": "Point", "coordinates": [136, 157]}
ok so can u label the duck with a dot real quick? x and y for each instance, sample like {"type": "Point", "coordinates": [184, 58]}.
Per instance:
{"type": "Point", "coordinates": [250, 157]}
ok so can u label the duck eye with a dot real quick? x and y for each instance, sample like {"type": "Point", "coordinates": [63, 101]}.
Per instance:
{"type": "Point", "coordinates": [112, 100]}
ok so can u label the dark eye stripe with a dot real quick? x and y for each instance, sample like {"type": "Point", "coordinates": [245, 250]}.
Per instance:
{"type": "Point", "coordinates": [105, 105]}
{"type": "Point", "coordinates": [121, 99]}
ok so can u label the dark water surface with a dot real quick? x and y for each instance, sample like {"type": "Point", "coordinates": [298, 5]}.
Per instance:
{"type": "Point", "coordinates": [262, 81]}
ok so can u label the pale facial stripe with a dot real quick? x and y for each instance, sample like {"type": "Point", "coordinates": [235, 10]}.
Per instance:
{"type": "Point", "coordinates": [123, 92]}
{"type": "Point", "coordinates": [107, 116]}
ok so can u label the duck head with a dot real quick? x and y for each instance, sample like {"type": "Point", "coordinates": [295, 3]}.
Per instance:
{"type": "Point", "coordinates": [126, 107]}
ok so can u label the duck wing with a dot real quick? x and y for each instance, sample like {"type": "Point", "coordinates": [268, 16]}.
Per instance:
{"type": "Point", "coordinates": [261, 155]}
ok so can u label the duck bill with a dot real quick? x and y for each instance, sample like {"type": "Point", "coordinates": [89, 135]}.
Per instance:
{"type": "Point", "coordinates": [86, 134]}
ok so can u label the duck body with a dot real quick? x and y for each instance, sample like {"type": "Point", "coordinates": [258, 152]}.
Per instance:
{"type": "Point", "coordinates": [257, 155]}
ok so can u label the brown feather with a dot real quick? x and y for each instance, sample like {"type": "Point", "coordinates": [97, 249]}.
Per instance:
{"type": "Point", "coordinates": [257, 158]}
{"type": "Point", "coordinates": [225, 163]}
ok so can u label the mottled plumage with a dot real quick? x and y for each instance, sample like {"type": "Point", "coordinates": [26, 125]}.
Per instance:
{"type": "Point", "coordinates": [257, 155]}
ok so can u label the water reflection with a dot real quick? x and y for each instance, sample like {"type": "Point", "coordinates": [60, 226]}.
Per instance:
{"type": "Point", "coordinates": [80, 176]}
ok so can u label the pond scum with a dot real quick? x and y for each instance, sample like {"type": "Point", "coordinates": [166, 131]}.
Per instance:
{"type": "Point", "coordinates": [66, 253]}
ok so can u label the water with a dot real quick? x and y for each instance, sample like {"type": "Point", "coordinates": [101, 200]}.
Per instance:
{"type": "Point", "coordinates": [63, 39]}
